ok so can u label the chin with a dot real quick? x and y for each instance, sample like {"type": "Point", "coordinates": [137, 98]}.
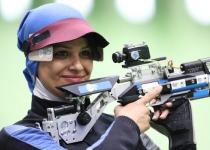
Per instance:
{"type": "Point", "coordinates": [59, 94]}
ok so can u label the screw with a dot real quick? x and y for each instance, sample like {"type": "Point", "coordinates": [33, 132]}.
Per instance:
{"type": "Point", "coordinates": [75, 130]}
{"type": "Point", "coordinates": [62, 133]}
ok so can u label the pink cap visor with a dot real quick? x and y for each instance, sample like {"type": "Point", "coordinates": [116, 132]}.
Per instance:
{"type": "Point", "coordinates": [64, 30]}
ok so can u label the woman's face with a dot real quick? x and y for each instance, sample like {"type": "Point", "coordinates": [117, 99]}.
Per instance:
{"type": "Point", "coordinates": [72, 62]}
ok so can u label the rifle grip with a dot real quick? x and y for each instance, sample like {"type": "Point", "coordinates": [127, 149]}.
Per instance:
{"type": "Point", "coordinates": [128, 99]}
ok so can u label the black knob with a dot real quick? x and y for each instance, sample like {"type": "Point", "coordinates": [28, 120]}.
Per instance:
{"type": "Point", "coordinates": [83, 118]}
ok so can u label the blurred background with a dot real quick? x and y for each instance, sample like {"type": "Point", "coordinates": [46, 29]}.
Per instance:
{"type": "Point", "coordinates": [178, 30]}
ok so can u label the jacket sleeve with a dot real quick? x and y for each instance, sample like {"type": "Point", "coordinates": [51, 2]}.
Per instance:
{"type": "Point", "coordinates": [123, 134]}
{"type": "Point", "coordinates": [18, 137]}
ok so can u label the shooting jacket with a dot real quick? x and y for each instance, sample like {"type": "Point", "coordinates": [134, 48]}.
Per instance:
{"type": "Point", "coordinates": [106, 134]}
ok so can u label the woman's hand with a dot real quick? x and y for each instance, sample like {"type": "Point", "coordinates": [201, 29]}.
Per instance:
{"type": "Point", "coordinates": [161, 113]}
{"type": "Point", "coordinates": [137, 111]}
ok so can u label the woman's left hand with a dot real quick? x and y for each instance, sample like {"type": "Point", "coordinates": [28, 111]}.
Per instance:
{"type": "Point", "coordinates": [161, 113]}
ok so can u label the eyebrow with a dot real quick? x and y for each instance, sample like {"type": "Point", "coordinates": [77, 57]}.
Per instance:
{"type": "Point", "coordinates": [67, 47]}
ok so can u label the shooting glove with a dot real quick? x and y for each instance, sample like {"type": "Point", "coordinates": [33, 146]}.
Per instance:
{"type": "Point", "coordinates": [178, 126]}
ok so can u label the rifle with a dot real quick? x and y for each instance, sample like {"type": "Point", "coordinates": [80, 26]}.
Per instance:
{"type": "Point", "coordinates": [73, 122]}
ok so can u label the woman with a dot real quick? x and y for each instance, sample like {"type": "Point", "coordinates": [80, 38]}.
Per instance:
{"type": "Point", "coordinates": [60, 47]}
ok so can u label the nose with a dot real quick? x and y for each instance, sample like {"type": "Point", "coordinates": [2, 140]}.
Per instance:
{"type": "Point", "coordinates": [75, 64]}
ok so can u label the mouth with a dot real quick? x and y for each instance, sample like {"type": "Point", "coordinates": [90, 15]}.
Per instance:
{"type": "Point", "coordinates": [73, 78]}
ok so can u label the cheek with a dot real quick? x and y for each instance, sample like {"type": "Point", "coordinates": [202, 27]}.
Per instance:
{"type": "Point", "coordinates": [41, 69]}
{"type": "Point", "coordinates": [47, 69]}
{"type": "Point", "coordinates": [88, 65]}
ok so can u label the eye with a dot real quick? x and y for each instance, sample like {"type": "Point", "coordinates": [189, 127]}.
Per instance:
{"type": "Point", "coordinates": [61, 53]}
{"type": "Point", "coordinates": [86, 54]}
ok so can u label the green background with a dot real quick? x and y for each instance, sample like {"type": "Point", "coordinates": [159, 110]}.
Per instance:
{"type": "Point", "coordinates": [171, 33]}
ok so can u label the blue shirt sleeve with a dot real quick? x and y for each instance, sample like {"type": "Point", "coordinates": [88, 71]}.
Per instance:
{"type": "Point", "coordinates": [33, 137]}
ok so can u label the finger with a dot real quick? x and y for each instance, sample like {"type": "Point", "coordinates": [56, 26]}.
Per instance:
{"type": "Point", "coordinates": [169, 104]}
{"type": "Point", "coordinates": [156, 115]}
{"type": "Point", "coordinates": [151, 94]}
{"type": "Point", "coordinates": [153, 101]}
{"type": "Point", "coordinates": [164, 114]}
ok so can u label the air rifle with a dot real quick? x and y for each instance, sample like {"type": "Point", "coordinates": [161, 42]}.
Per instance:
{"type": "Point", "coordinates": [73, 122]}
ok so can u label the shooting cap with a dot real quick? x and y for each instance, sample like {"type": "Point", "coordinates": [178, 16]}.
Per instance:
{"type": "Point", "coordinates": [53, 23]}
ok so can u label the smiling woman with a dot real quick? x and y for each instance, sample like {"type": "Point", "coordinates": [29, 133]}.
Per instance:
{"type": "Point", "coordinates": [64, 46]}
{"type": "Point", "coordinates": [72, 62]}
